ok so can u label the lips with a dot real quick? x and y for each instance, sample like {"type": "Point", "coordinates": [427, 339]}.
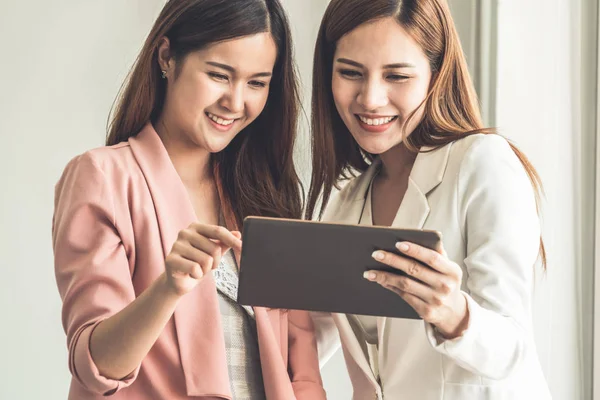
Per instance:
{"type": "Point", "coordinates": [221, 123]}
{"type": "Point", "coordinates": [374, 123]}
{"type": "Point", "coordinates": [220, 120]}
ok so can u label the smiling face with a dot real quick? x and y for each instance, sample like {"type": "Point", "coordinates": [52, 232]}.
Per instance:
{"type": "Point", "coordinates": [380, 76]}
{"type": "Point", "coordinates": [217, 91]}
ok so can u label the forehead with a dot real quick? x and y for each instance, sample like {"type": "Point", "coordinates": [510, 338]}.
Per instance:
{"type": "Point", "coordinates": [380, 42]}
{"type": "Point", "coordinates": [248, 54]}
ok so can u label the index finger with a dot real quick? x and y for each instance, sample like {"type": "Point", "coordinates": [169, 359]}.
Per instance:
{"type": "Point", "coordinates": [223, 235]}
{"type": "Point", "coordinates": [427, 256]}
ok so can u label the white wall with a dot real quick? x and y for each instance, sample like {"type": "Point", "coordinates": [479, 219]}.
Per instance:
{"type": "Point", "coordinates": [62, 62]}
{"type": "Point", "coordinates": [536, 103]}
{"type": "Point", "coordinates": [305, 18]}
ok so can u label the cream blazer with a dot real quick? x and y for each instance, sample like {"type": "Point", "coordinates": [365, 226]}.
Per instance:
{"type": "Point", "coordinates": [478, 195]}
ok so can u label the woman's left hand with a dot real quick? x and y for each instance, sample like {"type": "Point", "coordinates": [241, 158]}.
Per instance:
{"type": "Point", "coordinates": [435, 294]}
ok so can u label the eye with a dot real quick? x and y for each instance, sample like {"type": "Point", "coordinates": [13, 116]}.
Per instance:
{"type": "Point", "coordinates": [218, 77]}
{"type": "Point", "coordinates": [350, 73]}
{"type": "Point", "coordinates": [397, 78]}
{"type": "Point", "coordinates": [257, 84]}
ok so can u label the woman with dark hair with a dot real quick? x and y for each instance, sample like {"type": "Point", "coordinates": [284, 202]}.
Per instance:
{"type": "Point", "coordinates": [146, 230]}
{"type": "Point", "coordinates": [394, 109]}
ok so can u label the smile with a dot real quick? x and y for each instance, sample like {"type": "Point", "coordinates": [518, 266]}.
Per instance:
{"type": "Point", "coordinates": [376, 121]}
{"type": "Point", "coordinates": [376, 125]}
{"type": "Point", "coordinates": [219, 120]}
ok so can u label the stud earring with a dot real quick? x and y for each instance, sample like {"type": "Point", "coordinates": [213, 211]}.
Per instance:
{"type": "Point", "coordinates": [164, 74]}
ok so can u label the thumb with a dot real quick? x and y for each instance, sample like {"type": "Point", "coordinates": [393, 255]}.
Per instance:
{"type": "Point", "coordinates": [440, 249]}
{"type": "Point", "coordinates": [224, 247]}
{"type": "Point", "coordinates": [237, 254]}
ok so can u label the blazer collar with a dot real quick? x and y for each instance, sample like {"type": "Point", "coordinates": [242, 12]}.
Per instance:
{"type": "Point", "coordinates": [427, 173]}
{"type": "Point", "coordinates": [429, 168]}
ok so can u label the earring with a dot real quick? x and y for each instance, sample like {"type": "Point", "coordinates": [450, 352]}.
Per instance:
{"type": "Point", "coordinates": [164, 74]}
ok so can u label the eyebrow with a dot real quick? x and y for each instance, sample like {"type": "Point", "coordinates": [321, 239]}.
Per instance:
{"type": "Point", "coordinates": [388, 66]}
{"type": "Point", "coordinates": [232, 70]}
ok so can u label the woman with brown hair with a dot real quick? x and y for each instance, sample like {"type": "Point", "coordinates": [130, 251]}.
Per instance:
{"type": "Point", "coordinates": [146, 230]}
{"type": "Point", "coordinates": [395, 111]}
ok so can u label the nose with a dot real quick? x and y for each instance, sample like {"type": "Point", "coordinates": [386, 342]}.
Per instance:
{"type": "Point", "coordinates": [233, 99]}
{"type": "Point", "coordinates": [373, 95]}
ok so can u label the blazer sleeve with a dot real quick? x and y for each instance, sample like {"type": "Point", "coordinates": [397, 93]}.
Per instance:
{"type": "Point", "coordinates": [497, 211]}
{"type": "Point", "coordinates": [91, 266]}
{"type": "Point", "coordinates": [303, 360]}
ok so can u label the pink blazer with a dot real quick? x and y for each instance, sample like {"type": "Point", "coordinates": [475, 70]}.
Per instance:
{"type": "Point", "coordinates": [118, 211]}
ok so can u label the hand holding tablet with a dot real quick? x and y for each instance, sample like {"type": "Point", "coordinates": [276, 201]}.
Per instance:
{"type": "Point", "coordinates": [319, 266]}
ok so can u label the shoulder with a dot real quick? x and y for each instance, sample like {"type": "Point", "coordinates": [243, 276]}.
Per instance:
{"type": "Point", "coordinates": [97, 173]}
{"type": "Point", "coordinates": [104, 161]}
{"type": "Point", "coordinates": [478, 147]}
{"type": "Point", "coordinates": [484, 157]}
{"type": "Point", "coordinates": [110, 158]}
{"type": "Point", "coordinates": [481, 150]}
{"type": "Point", "coordinates": [490, 168]}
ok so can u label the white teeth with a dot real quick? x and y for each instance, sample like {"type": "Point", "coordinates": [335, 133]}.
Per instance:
{"type": "Point", "coordinates": [220, 121]}
{"type": "Point", "coordinates": [377, 121]}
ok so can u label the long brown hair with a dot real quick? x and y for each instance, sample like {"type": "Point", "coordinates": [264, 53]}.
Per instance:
{"type": "Point", "coordinates": [451, 109]}
{"type": "Point", "coordinates": [255, 174]}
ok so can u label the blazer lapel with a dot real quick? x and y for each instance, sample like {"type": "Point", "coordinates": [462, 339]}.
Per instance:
{"type": "Point", "coordinates": [270, 342]}
{"type": "Point", "coordinates": [347, 207]}
{"type": "Point", "coordinates": [197, 317]}
{"type": "Point", "coordinates": [353, 346]}
{"type": "Point", "coordinates": [427, 173]}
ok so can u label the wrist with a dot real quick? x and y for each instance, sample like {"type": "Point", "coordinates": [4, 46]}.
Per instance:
{"type": "Point", "coordinates": [456, 326]}
{"type": "Point", "coordinates": [164, 289]}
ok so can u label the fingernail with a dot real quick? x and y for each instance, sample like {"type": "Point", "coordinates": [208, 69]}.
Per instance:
{"type": "Point", "coordinates": [377, 255]}
{"type": "Point", "coordinates": [402, 246]}
{"type": "Point", "coordinates": [369, 275]}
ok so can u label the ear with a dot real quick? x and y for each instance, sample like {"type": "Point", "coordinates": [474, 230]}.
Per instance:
{"type": "Point", "coordinates": [165, 60]}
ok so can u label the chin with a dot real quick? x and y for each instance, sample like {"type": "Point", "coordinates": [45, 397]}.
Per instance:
{"type": "Point", "coordinates": [375, 151]}
{"type": "Point", "coordinates": [217, 145]}
{"type": "Point", "coordinates": [216, 148]}
{"type": "Point", "coordinates": [374, 146]}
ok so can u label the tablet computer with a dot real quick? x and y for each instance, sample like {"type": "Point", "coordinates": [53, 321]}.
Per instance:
{"type": "Point", "coordinates": [318, 266]}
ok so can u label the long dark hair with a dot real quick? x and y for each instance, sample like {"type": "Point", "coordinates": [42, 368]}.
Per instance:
{"type": "Point", "coordinates": [451, 107]}
{"type": "Point", "coordinates": [255, 174]}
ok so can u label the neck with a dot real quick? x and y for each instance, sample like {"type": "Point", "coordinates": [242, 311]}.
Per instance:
{"type": "Point", "coordinates": [397, 162]}
{"type": "Point", "coordinates": [192, 163]}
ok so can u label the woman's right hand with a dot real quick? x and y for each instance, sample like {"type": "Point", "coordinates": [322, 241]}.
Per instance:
{"type": "Point", "coordinates": [196, 252]}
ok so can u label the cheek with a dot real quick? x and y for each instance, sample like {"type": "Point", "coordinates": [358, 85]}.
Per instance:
{"type": "Point", "coordinates": [342, 95]}
{"type": "Point", "coordinates": [409, 97]}
{"type": "Point", "coordinates": [256, 104]}
{"type": "Point", "coordinates": [190, 95]}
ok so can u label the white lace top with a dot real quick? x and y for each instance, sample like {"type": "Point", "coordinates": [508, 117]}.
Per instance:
{"type": "Point", "coordinates": [239, 330]}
